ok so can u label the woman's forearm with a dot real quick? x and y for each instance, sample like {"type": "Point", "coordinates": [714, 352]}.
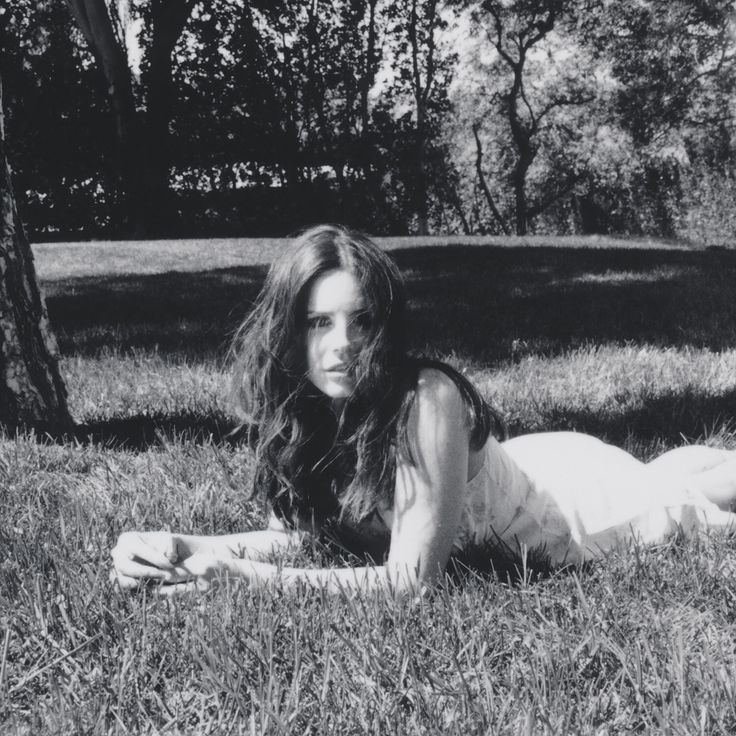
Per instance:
{"type": "Point", "coordinates": [250, 545]}
{"type": "Point", "coordinates": [359, 579]}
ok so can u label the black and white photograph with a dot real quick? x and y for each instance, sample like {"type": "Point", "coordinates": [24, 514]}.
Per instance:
{"type": "Point", "coordinates": [367, 367]}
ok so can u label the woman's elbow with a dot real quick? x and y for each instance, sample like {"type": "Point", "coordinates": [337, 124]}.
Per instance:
{"type": "Point", "coordinates": [407, 579]}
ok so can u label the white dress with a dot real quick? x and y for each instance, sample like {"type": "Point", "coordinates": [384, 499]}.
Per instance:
{"type": "Point", "coordinates": [571, 498]}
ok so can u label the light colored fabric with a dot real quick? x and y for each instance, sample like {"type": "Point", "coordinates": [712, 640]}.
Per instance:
{"type": "Point", "coordinates": [573, 497]}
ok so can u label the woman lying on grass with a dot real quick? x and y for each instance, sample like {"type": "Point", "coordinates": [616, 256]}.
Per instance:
{"type": "Point", "coordinates": [353, 435]}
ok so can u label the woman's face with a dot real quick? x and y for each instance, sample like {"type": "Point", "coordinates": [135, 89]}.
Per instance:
{"type": "Point", "coordinates": [338, 323]}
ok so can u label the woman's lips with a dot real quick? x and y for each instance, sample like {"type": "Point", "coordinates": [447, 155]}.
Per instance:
{"type": "Point", "coordinates": [338, 372]}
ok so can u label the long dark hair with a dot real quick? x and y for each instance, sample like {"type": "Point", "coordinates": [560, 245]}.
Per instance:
{"type": "Point", "coordinates": [312, 464]}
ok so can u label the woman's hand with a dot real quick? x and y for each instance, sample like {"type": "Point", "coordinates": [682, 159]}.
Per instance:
{"type": "Point", "coordinates": [178, 562]}
{"type": "Point", "coordinates": [199, 572]}
{"type": "Point", "coordinates": [141, 557]}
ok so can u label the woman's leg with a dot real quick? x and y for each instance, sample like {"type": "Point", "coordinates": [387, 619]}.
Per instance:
{"type": "Point", "coordinates": [690, 459]}
{"type": "Point", "coordinates": [707, 469]}
{"type": "Point", "coordinates": [717, 484]}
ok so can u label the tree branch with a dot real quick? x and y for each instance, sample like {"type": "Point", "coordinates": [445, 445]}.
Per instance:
{"type": "Point", "coordinates": [431, 45]}
{"type": "Point", "coordinates": [97, 26]}
{"type": "Point", "coordinates": [415, 54]}
{"type": "Point", "coordinates": [498, 43]}
{"type": "Point", "coordinates": [483, 184]}
{"type": "Point", "coordinates": [543, 27]}
{"type": "Point", "coordinates": [533, 119]}
{"type": "Point", "coordinates": [563, 102]}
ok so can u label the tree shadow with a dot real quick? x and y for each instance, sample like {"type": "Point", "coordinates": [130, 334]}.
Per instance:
{"type": "Point", "coordinates": [492, 562]}
{"type": "Point", "coordinates": [139, 433]}
{"type": "Point", "coordinates": [172, 312]}
{"type": "Point", "coordinates": [673, 418]}
{"type": "Point", "coordinates": [484, 303]}
{"type": "Point", "coordinates": [480, 303]}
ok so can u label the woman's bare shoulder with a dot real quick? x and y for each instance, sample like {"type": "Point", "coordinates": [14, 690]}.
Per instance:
{"type": "Point", "coordinates": [433, 381]}
{"type": "Point", "coordinates": [438, 396]}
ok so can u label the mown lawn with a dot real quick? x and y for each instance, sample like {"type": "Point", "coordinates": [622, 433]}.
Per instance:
{"type": "Point", "coordinates": [636, 345]}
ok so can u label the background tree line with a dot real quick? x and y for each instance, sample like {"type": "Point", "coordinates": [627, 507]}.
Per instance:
{"type": "Point", "coordinates": [182, 117]}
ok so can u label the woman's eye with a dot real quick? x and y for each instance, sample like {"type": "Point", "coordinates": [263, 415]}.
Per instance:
{"type": "Point", "coordinates": [363, 320]}
{"type": "Point", "coordinates": [318, 321]}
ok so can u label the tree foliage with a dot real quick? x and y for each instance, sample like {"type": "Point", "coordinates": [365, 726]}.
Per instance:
{"type": "Point", "coordinates": [673, 69]}
{"type": "Point", "coordinates": [529, 98]}
{"type": "Point", "coordinates": [255, 117]}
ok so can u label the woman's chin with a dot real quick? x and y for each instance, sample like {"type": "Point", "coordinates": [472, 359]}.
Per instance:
{"type": "Point", "coordinates": [337, 390]}
{"type": "Point", "coordinates": [339, 397]}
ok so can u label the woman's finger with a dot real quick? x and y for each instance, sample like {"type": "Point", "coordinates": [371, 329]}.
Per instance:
{"type": "Point", "coordinates": [171, 551]}
{"type": "Point", "coordinates": [160, 587]}
{"type": "Point", "coordinates": [137, 568]}
{"type": "Point", "coordinates": [173, 589]}
{"type": "Point", "coordinates": [124, 582]}
{"type": "Point", "coordinates": [160, 552]}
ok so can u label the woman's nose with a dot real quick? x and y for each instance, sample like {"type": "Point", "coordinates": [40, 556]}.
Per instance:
{"type": "Point", "coordinates": [345, 335]}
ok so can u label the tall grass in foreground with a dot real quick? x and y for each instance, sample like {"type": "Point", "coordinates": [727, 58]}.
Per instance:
{"type": "Point", "coordinates": [643, 641]}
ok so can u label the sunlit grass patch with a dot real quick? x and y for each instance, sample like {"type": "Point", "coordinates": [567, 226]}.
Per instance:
{"type": "Point", "coordinates": [61, 261]}
{"type": "Point", "coordinates": [611, 276]}
{"type": "Point", "coordinates": [116, 384]}
{"type": "Point", "coordinates": [619, 393]}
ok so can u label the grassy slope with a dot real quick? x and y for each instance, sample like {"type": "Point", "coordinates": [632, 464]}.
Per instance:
{"type": "Point", "coordinates": [637, 346]}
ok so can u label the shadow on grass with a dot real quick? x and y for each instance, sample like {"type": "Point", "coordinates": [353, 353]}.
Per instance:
{"type": "Point", "coordinates": [139, 433]}
{"type": "Point", "coordinates": [480, 303]}
{"type": "Point", "coordinates": [172, 312]}
{"type": "Point", "coordinates": [673, 418]}
{"type": "Point", "coordinates": [489, 562]}
{"type": "Point", "coordinates": [487, 304]}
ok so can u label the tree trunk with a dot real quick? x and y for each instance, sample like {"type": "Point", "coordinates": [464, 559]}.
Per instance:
{"type": "Point", "coordinates": [519, 182]}
{"type": "Point", "coordinates": [483, 184]}
{"type": "Point", "coordinates": [93, 19]}
{"type": "Point", "coordinates": [369, 70]}
{"type": "Point", "coordinates": [420, 183]}
{"type": "Point", "coordinates": [421, 94]}
{"type": "Point", "coordinates": [32, 392]}
{"type": "Point", "coordinates": [526, 152]}
{"type": "Point", "coordinates": [168, 21]}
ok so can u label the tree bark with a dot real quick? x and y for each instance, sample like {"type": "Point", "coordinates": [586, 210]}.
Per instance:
{"type": "Point", "coordinates": [32, 392]}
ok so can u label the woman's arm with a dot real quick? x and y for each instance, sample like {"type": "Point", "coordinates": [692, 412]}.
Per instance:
{"type": "Point", "coordinates": [430, 487]}
{"type": "Point", "coordinates": [146, 556]}
{"type": "Point", "coordinates": [200, 571]}
{"type": "Point", "coordinates": [250, 545]}
{"type": "Point", "coordinates": [428, 502]}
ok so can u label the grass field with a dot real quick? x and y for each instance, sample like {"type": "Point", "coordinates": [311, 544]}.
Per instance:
{"type": "Point", "coordinates": [636, 345]}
